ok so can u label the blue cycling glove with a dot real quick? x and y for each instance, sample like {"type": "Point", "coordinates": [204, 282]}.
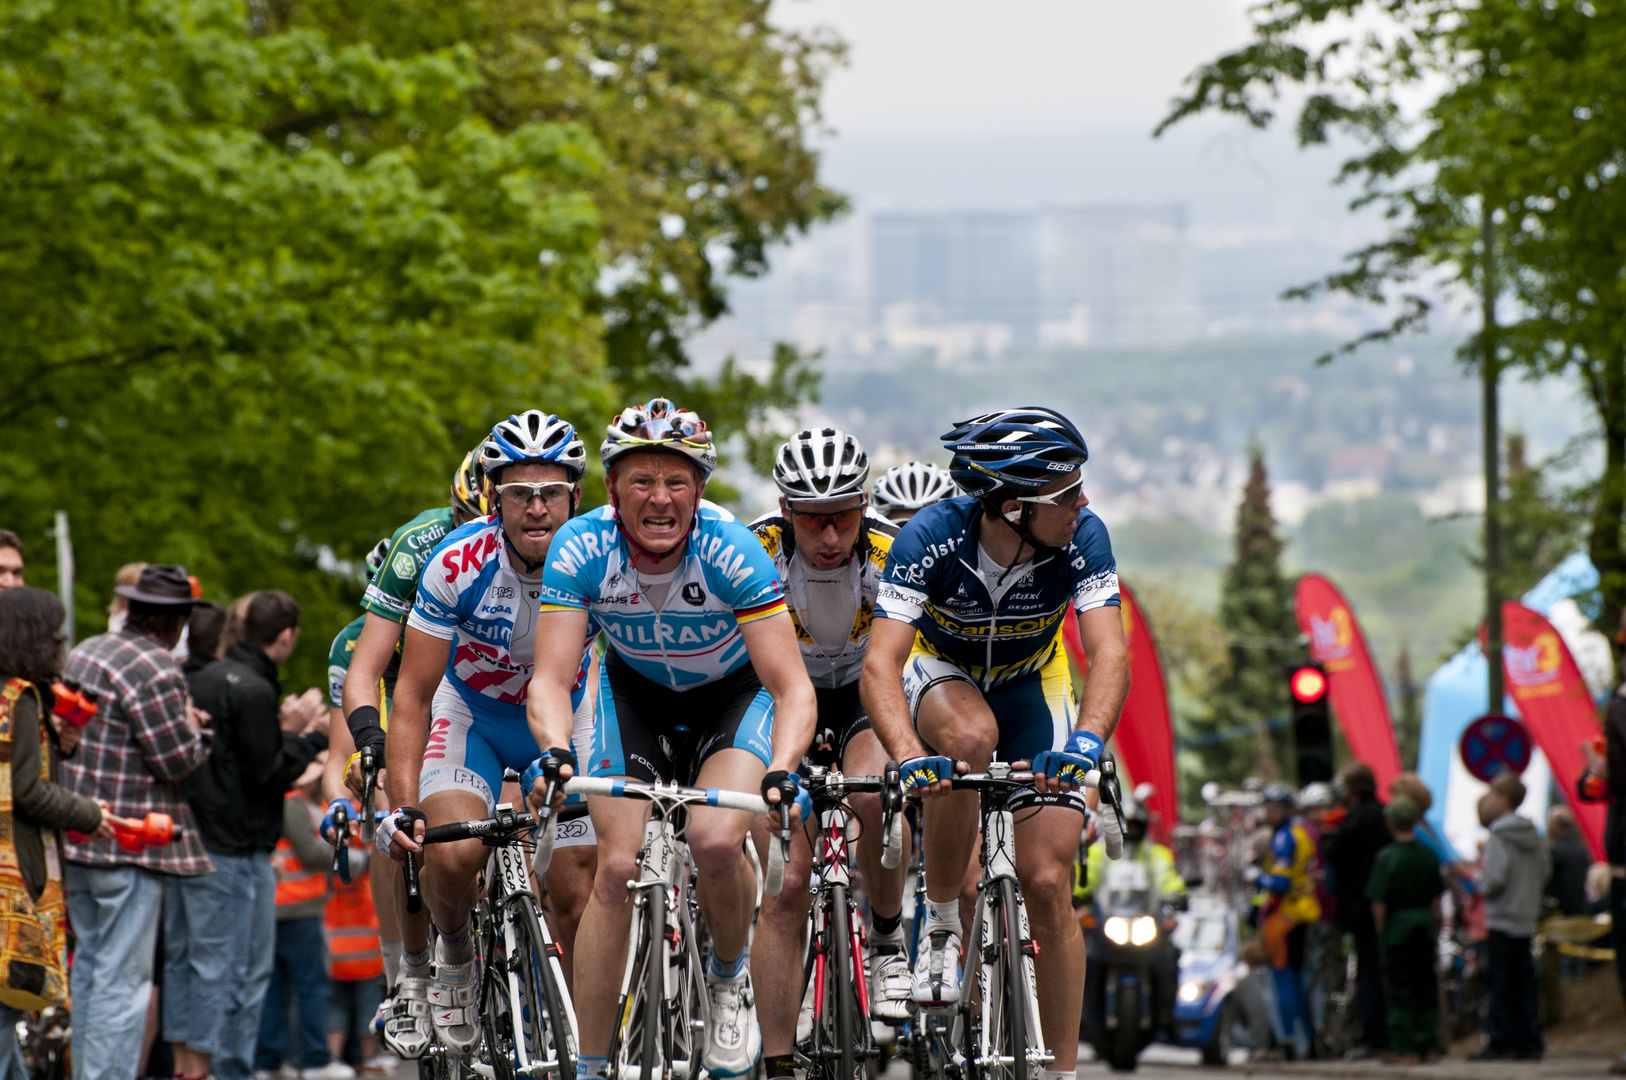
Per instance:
{"type": "Point", "coordinates": [923, 772]}
{"type": "Point", "coordinates": [533, 771]}
{"type": "Point", "coordinates": [325, 830]}
{"type": "Point", "coordinates": [804, 801]}
{"type": "Point", "coordinates": [1070, 764]}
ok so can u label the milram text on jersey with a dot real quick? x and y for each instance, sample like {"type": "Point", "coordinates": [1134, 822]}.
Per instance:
{"type": "Point", "coordinates": [724, 581]}
{"type": "Point", "coordinates": [471, 595]}
{"type": "Point", "coordinates": [932, 581]}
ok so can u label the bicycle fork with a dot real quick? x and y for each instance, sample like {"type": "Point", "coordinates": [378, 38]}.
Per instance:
{"type": "Point", "coordinates": [515, 880]}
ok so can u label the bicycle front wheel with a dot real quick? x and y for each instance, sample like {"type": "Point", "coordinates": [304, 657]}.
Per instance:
{"type": "Point", "coordinates": [841, 996]}
{"type": "Point", "coordinates": [1009, 1037]}
{"type": "Point", "coordinates": [544, 998]}
{"type": "Point", "coordinates": [654, 980]}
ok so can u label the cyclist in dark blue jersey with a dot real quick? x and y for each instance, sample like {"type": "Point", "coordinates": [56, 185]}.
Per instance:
{"type": "Point", "coordinates": [965, 662]}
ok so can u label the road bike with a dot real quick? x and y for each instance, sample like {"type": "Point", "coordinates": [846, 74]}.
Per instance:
{"type": "Point", "coordinates": [841, 1042]}
{"type": "Point", "coordinates": [527, 1020]}
{"type": "Point", "coordinates": [663, 1007]}
{"type": "Point", "coordinates": [994, 1032]}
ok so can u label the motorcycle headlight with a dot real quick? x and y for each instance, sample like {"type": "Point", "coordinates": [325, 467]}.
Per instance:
{"type": "Point", "coordinates": [1143, 931]}
{"type": "Point", "coordinates": [1194, 990]}
{"type": "Point", "coordinates": [1117, 930]}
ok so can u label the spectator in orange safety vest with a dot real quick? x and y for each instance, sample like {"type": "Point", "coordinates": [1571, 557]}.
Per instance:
{"type": "Point", "coordinates": [355, 967]}
{"type": "Point", "coordinates": [302, 860]}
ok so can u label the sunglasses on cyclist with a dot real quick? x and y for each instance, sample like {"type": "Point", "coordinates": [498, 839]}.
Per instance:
{"type": "Point", "coordinates": [842, 520]}
{"type": "Point", "coordinates": [1056, 498]}
{"type": "Point", "coordinates": [519, 494]}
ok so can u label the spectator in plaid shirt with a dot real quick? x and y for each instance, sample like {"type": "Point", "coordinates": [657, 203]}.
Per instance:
{"type": "Point", "coordinates": [144, 739]}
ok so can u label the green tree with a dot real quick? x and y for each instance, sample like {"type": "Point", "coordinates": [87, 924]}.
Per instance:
{"type": "Point", "coordinates": [1540, 526]}
{"type": "Point", "coordinates": [1409, 709]}
{"type": "Point", "coordinates": [1523, 108]}
{"type": "Point", "coordinates": [1256, 612]}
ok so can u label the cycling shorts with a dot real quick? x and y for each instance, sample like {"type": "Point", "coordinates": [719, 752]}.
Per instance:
{"type": "Point", "coordinates": [469, 753]}
{"type": "Point", "coordinates": [572, 827]}
{"type": "Point", "coordinates": [646, 731]}
{"type": "Point", "coordinates": [841, 716]}
{"type": "Point", "coordinates": [1034, 712]}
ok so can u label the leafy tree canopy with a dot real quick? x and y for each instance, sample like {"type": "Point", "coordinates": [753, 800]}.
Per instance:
{"type": "Point", "coordinates": [269, 270]}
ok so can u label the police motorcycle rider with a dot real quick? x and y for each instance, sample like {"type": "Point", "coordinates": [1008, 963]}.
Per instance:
{"type": "Point", "coordinates": [1144, 882]}
{"type": "Point", "coordinates": [702, 682]}
{"type": "Point", "coordinates": [965, 660]}
{"type": "Point", "coordinates": [829, 549]}
{"type": "Point", "coordinates": [905, 490]}
{"type": "Point", "coordinates": [373, 660]}
{"type": "Point", "coordinates": [459, 717]}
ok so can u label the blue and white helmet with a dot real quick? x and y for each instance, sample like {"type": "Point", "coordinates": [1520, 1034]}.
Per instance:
{"type": "Point", "coordinates": [1021, 448]}
{"type": "Point", "coordinates": [534, 436]}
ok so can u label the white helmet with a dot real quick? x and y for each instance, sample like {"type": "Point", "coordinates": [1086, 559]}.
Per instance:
{"type": "Point", "coordinates": [1315, 793]}
{"type": "Point", "coordinates": [822, 464]}
{"type": "Point", "coordinates": [533, 435]}
{"type": "Point", "coordinates": [913, 486]}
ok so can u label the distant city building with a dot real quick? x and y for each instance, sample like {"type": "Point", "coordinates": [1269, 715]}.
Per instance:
{"type": "Point", "coordinates": [975, 267]}
{"type": "Point", "coordinates": [1066, 277]}
{"type": "Point", "coordinates": [1116, 277]}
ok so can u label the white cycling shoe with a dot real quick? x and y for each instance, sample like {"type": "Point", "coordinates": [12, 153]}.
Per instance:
{"type": "Point", "coordinates": [891, 990]}
{"type": "Point", "coordinates": [454, 994]}
{"type": "Point", "coordinates": [407, 1030]}
{"type": "Point", "coordinates": [936, 983]}
{"type": "Point", "coordinates": [733, 1040]}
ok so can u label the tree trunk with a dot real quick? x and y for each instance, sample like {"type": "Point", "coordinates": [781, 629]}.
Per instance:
{"type": "Point", "coordinates": [1608, 390]}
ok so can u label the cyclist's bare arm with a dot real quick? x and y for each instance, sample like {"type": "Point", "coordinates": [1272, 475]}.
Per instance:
{"type": "Point", "coordinates": [423, 662]}
{"type": "Point", "coordinates": [1106, 682]}
{"type": "Point", "coordinates": [339, 748]}
{"type": "Point", "coordinates": [881, 689]}
{"type": "Point", "coordinates": [374, 648]}
{"type": "Point", "coordinates": [771, 643]}
{"type": "Point", "coordinates": [560, 636]}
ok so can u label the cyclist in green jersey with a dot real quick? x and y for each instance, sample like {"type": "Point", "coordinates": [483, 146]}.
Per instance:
{"type": "Point", "coordinates": [370, 681]}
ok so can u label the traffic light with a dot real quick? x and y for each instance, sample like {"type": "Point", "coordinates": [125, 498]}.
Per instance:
{"type": "Point", "coordinates": [1312, 722]}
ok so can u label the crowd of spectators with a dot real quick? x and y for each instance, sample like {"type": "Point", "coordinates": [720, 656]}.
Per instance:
{"type": "Point", "coordinates": [203, 955]}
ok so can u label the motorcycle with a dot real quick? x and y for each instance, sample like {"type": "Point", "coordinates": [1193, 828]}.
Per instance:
{"type": "Point", "coordinates": [1133, 965]}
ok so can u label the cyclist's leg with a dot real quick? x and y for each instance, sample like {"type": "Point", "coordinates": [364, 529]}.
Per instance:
{"type": "Point", "coordinates": [1035, 713]}
{"type": "Point", "coordinates": [953, 720]}
{"type": "Point", "coordinates": [575, 847]}
{"type": "Point", "coordinates": [778, 947]}
{"type": "Point", "coordinates": [619, 825]}
{"type": "Point", "coordinates": [727, 890]}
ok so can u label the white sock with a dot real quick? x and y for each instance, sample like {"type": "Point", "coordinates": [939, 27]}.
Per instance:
{"type": "Point", "coordinates": [415, 965]}
{"type": "Point", "coordinates": [945, 916]}
{"type": "Point", "coordinates": [1060, 1074]}
{"type": "Point", "coordinates": [591, 1068]}
{"type": "Point", "coordinates": [392, 962]}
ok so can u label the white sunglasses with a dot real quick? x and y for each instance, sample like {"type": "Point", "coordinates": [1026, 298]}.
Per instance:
{"type": "Point", "coordinates": [1055, 498]}
{"type": "Point", "coordinates": [522, 494]}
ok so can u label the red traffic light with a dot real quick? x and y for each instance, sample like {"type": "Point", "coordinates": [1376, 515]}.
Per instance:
{"type": "Point", "coordinates": [1309, 684]}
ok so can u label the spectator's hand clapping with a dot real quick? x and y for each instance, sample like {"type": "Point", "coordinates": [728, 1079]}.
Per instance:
{"type": "Point", "coordinates": [67, 735]}
{"type": "Point", "coordinates": [196, 718]}
{"type": "Point", "coordinates": [104, 831]}
{"type": "Point", "coordinates": [303, 714]}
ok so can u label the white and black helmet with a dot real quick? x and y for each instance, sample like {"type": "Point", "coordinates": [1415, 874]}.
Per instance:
{"type": "Point", "coordinates": [533, 435]}
{"type": "Point", "coordinates": [913, 486]}
{"type": "Point", "coordinates": [821, 464]}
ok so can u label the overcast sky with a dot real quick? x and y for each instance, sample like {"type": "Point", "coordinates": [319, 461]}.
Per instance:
{"type": "Point", "coordinates": [1001, 67]}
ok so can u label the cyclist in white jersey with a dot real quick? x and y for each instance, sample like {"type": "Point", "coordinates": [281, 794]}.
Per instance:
{"type": "Point", "coordinates": [701, 683]}
{"type": "Point", "coordinates": [829, 549]}
{"type": "Point", "coordinates": [905, 490]}
{"type": "Point", "coordinates": [459, 716]}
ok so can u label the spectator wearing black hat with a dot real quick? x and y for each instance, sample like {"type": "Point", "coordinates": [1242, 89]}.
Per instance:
{"type": "Point", "coordinates": [220, 930]}
{"type": "Point", "coordinates": [145, 737]}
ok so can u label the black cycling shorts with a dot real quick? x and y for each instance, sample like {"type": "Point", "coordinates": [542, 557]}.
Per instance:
{"type": "Point", "coordinates": [841, 716]}
{"type": "Point", "coordinates": [647, 731]}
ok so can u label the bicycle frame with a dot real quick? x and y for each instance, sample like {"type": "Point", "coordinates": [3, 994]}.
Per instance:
{"type": "Point", "coordinates": [508, 880]}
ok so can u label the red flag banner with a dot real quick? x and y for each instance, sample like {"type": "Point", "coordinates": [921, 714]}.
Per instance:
{"type": "Point", "coordinates": [1144, 740]}
{"type": "Point", "coordinates": [1358, 703]}
{"type": "Point", "coordinates": [1544, 681]}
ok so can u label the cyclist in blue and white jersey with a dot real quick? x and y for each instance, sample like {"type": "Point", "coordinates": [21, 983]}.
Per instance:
{"type": "Point", "coordinates": [702, 683]}
{"type": "Point", "coordinates": [459, 717]}
{"type": "Point", "coordinates": [965, 661]}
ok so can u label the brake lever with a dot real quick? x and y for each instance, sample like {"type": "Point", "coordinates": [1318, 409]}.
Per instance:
{"type": "Point", "coordinates": [341, 842]}
{"type": "Point", "coordinates": [369, 783]}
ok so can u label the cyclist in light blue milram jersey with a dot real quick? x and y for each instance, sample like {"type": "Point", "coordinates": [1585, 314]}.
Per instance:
{"type": "Point", "coordinates": [702, 682]}
{"type": "Point", "coordinates": [965, 660]}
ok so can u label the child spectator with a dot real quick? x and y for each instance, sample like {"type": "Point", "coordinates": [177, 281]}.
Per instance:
{"type": "Point", "coordinates": [1404, 890]}
{"type": "Point", "coordinates": [1517, 865]}
{"type": "Point", "coordinates": [302, 861]}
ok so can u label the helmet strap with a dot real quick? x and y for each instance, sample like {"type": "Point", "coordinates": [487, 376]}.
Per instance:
{"type": "Point", "coordinates": [1020, 525]}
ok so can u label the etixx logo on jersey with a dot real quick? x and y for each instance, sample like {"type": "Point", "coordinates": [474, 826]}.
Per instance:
{"type": "Point", "coordinates": [693, 594]}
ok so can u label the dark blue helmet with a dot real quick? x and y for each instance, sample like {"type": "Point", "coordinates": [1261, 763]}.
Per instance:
{"type": "Point", "coordinates": [1021, 448]}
